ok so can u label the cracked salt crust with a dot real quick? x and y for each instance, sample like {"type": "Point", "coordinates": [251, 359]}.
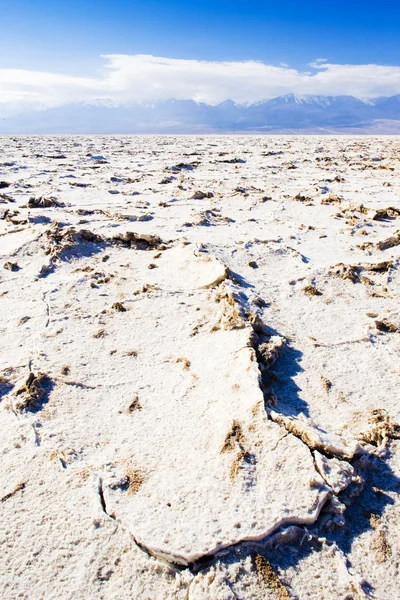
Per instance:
{"type": "Point", "coordinates": [147, 447]}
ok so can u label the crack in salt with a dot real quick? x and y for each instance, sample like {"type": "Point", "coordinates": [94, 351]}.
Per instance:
{"type": "Point", "coordinates": [102, 499]}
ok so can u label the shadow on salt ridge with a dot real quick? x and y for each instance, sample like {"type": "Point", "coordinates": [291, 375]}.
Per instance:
{"type": "Point", "coordinates": [282, 383]}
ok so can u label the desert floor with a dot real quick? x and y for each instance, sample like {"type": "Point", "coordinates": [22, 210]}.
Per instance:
{"type": "Point", "coordinates": [199, 367]}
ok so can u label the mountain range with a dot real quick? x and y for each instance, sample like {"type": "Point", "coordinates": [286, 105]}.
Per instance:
{"type": "Point", "coordinates": [290, 113]}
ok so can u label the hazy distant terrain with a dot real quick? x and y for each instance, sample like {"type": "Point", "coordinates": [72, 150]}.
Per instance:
{"type": "Point", "coordinates": [314, 114]}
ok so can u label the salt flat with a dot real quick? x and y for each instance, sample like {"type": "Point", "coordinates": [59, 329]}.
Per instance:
{"type": "Point", "coordinates": [199, 367]}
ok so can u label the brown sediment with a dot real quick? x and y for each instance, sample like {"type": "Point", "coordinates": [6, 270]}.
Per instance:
{"type": "Point", "coordinates": [270, 578]}
{"type": "Point", "coordinates": [233, 437]}
{"type": "Point", "coordinates": [135, 478]}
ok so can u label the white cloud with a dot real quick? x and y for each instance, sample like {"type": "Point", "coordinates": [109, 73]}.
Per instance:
{"type": "Point", "coordinates": [145, 77]}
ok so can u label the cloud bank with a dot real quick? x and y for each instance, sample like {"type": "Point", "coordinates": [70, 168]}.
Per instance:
{"type": "Point", "coordinates": [141, 77]}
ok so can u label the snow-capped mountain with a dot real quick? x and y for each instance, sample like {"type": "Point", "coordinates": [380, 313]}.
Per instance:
{"type": "Point", "coordinates": [290, 112]}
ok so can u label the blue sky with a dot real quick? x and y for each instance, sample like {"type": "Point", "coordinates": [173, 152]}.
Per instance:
{"type": "Point", "coordinates": [71, 51]}
{"type": "Point", "coordinates": [70, 36]}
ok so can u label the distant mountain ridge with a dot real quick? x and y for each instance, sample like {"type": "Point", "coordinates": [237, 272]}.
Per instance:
{"type": "Point", "coordinates": [283, 113]}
